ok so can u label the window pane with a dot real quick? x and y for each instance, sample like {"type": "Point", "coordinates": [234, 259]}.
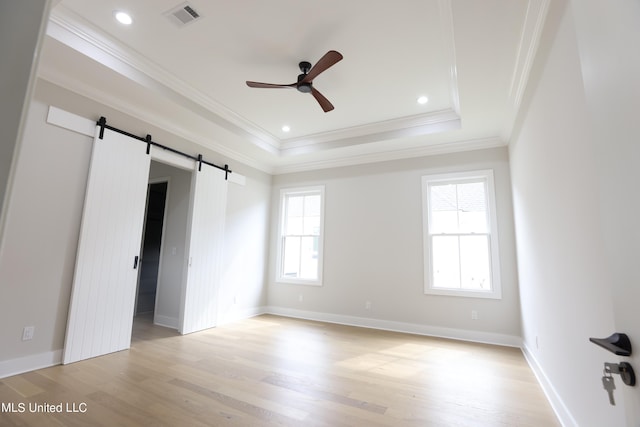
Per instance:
{"type": "Point", "coordinates": [311, 215]}
{"type": "Point", "coordinates": [294, 206]}
{"type": "Point", "coordinates": [312, 205]}
{"type": "Point", "coordinates": [474, 268]}
{"type": "Point", "coordinates": [311, 225]}
{"type": "Point", "coordinates": [444, 209]}
{"type": "Point", "coordinates": [309, 258]}
{"type": "Point", "coordinates": [444, 222]}
{"type": "Point", "coordinates": [291, 258]}
{"type": "Point", "coordinates": [446, 262]}
{"type": "Point", "coordinates": [473, 222]}
{"type": "Point", "coordinates": [294, 212]}
{"type": "Point", "coordinates": [294, 226]}
{"type": "Point", "coordinates": [472, 207]}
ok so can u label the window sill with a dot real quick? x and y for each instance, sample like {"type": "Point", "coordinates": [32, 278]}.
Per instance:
{"type": "Point", "coordinates": [289, 281]}
{"type": "Point", "coordinates": [464, 293]}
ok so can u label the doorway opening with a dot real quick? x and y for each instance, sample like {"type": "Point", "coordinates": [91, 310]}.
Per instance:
{"type": "Point", "coordinates": [151, 248]}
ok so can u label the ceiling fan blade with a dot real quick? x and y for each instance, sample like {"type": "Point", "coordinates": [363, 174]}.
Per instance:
{"type": "Point", "coordinates": [324, 102]}
{"type": "Point", "coordinates": [269, 85]}
{"type": "Point", "coordinates": [329, 59]}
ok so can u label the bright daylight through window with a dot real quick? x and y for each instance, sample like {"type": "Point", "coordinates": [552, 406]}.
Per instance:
{"type": "Point", "coordinates": [300, 244]}
{"type": "Point", "coordinates": [460, 239]}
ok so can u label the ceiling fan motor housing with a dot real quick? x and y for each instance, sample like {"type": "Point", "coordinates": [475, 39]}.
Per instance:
{"type": "Point", "coordinates": [304, 87]}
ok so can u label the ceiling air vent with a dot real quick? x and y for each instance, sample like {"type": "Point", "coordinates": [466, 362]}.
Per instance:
{"type": "Point", "coordinates": [183, 14]}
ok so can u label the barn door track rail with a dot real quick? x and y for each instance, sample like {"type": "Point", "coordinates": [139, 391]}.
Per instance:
{"type": "Point", "coordinates": [147, 139]}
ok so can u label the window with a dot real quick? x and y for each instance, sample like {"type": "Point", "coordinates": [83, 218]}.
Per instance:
{"type": "Point", "coordinates": [460, 235]}
{"type": "Point", "coordinates": [300, 243]}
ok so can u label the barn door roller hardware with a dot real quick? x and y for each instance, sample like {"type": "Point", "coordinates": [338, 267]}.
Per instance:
{"type": "Point", "coordinates": [147, 139]}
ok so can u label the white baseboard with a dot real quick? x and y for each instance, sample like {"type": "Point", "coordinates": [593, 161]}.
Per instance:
{"type": "Point", "coordinates": [166, 321]}
{"type": "Point", "coordinates": [20, 365]}
{"type": "Point", "coordinates": [563, 414]}
{"type": "Point", "coordinates": [411, 328]}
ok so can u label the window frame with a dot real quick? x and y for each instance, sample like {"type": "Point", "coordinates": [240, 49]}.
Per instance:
{"type": "Point", "coordinates": [485, 176]}
{"type": "Point", "coordinates": [284, 194]}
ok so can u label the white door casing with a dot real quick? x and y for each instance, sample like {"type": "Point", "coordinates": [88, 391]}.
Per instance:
{"type": "Point", "coordinates": [104, 285]}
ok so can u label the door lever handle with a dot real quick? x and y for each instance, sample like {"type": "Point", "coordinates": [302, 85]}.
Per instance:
{"type": "Point", "coordinates": [135, 262]}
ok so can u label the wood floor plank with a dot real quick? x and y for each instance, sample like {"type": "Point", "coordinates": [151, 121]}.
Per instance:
{"type": "Point", "coordinates": [21, 385]}
{"type": "Point", "coordinates": [195, 406]}
{"type": "Point", "coordinates": [275, 371]}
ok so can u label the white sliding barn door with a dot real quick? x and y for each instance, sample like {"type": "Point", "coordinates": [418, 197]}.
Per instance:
{"type": "Point", "coordinates": [205, 248]}
{"type": "Point", "coordinates": [104, 284]}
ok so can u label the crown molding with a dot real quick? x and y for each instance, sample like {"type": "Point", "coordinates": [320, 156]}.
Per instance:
{"type": "Point", "coordinates": [449, 44]}
{"type": "Point", "coordinates": [129, 109]}
{"type": "Point", "coordinates": [382, 156]}
{"type": "Point", "coordinates": [532, 29]}
{"type": "Point", "coordinates": [527, 48]}
{"type": "Point", "coordinates": [390, 129]}
{"type": "Point", "coordinates": [73, 31]}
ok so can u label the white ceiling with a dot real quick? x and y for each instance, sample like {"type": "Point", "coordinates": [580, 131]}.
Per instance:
{"type": "Point", "coordinates": [470, 57]}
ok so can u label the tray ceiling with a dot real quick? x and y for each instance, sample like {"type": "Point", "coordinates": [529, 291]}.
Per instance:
{"type": "Point", "coordinates": [471, 59]}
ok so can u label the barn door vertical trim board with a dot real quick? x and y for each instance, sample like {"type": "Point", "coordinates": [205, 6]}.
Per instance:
{"type": "Point", "coordinates": [199, 309]}
{"type": "Point", "coordinates": [104, 285]}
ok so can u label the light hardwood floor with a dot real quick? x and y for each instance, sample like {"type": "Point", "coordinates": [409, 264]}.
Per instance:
{"type": "Point", "coordinates": [271, 370]}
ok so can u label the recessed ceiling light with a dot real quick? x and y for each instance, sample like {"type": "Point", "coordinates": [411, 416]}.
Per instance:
{"type": "Point", "coordinates": [423, 100]}
{"type": "Point", "coordinates": [286, 128]}
{"type": "Point", "coordinates": [123, 17]}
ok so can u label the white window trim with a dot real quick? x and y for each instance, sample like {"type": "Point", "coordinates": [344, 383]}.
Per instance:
{"type": "Point", "coordinates": [496, 291]}
{"type": "Point", "coordinates": [299, 281]}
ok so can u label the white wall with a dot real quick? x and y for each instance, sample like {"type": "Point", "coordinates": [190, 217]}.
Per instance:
{"type": "Point", "coordinates": [561, 198]}
{"type": "Point", "coordinates": [43, 221]}
{"type": "Point", "coordinates": [242, 290]}
{"type": "Point", "coordinates": [373, 252]}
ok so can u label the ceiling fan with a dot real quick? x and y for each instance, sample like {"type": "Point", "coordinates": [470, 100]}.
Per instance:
{"type": "Point", "coordinates": [305, 80]}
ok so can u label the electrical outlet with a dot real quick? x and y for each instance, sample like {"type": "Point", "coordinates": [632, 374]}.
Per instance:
{"type": "Point", "coordinates": [27, 333]}
{"type": "Point", "coordinates": [474, 314]}
{"type": "Point", "coordinates": [300, 298]}
{"type": "Point", "coordinates": [367, 305]}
